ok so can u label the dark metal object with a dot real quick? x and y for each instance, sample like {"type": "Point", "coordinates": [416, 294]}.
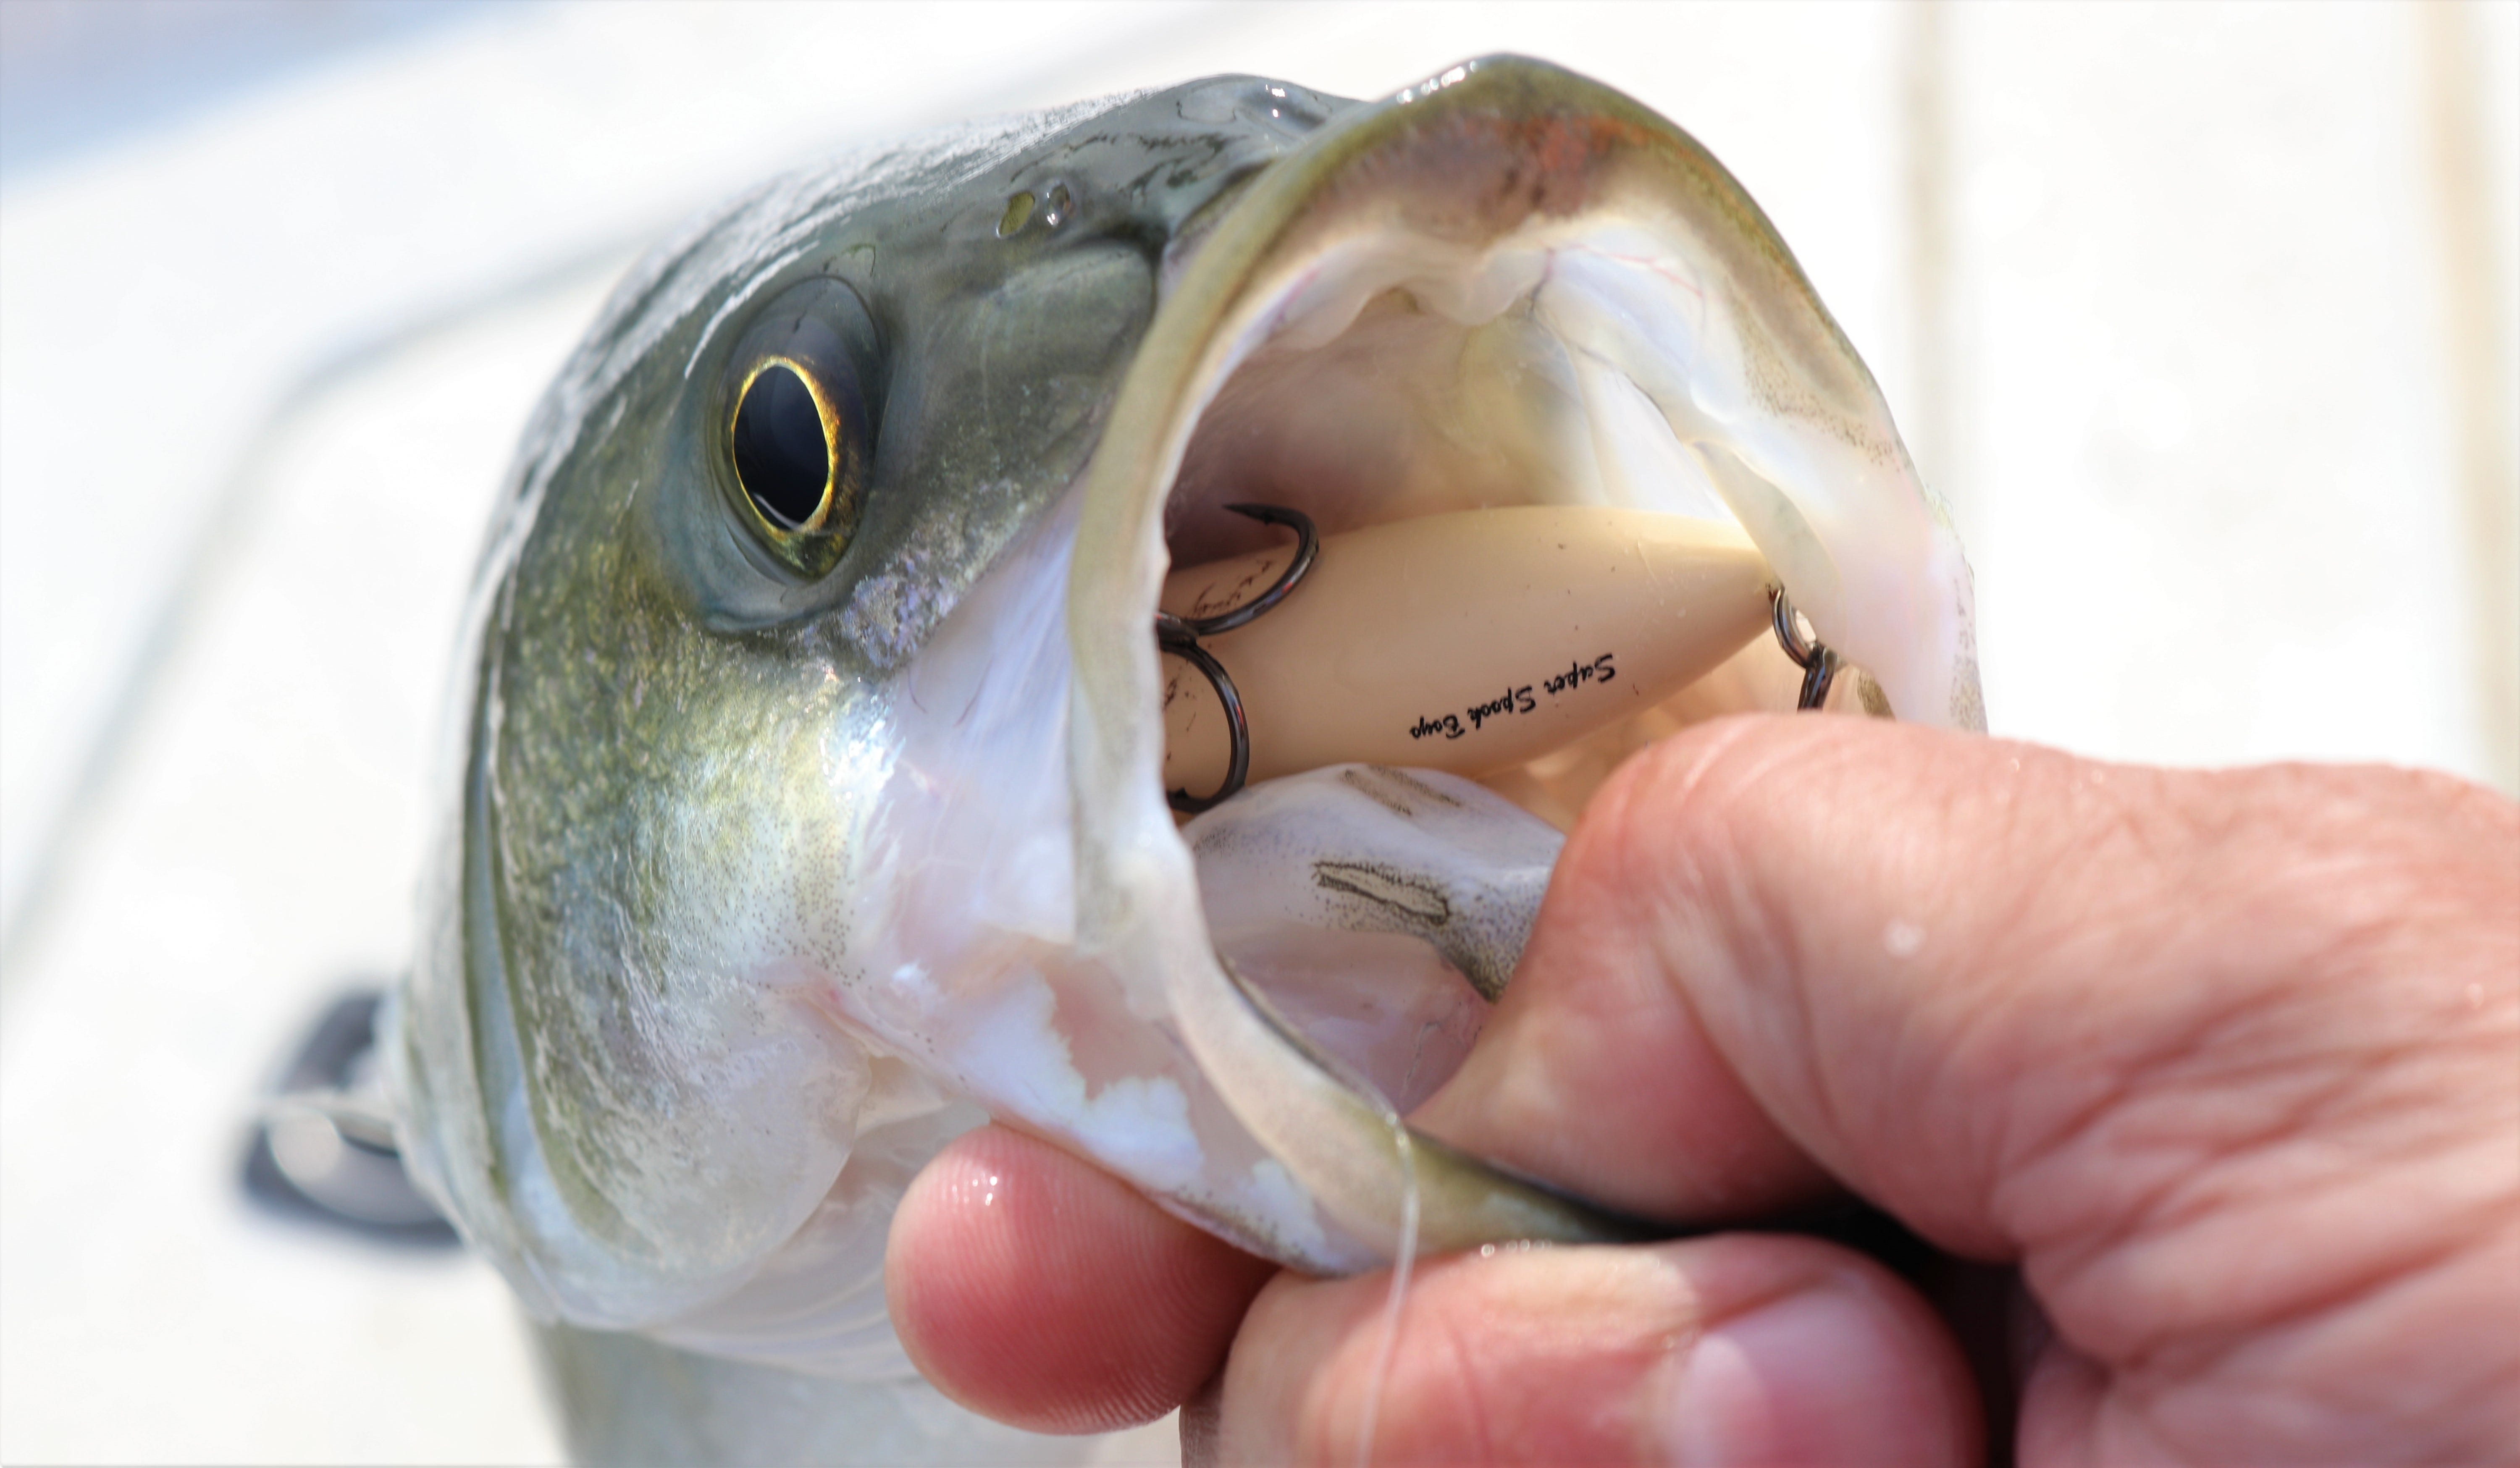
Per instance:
{"type": "Point", "coordinates": [1819, 661]}
{"type": "Point", "coordinates": [1238, 727]}
{"type": "Point", "coordinates": [321, 1151]}
{"type": "Point", "coordinates": [1179, 635]}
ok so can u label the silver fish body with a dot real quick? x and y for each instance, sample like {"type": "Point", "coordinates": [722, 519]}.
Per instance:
{"type": "Point", "coordinates": [780, 847]}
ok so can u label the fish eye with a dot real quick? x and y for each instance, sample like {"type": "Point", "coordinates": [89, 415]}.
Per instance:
{"type": "Point", "coordinates": [795, 440]}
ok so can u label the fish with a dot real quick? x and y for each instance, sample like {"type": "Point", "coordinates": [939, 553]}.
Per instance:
{"type": "Point", "coordinates": [805, 801]}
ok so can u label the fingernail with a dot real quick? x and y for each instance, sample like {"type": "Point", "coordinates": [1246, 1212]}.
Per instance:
{"type": "Point", "coordinates": [1815, 1377]}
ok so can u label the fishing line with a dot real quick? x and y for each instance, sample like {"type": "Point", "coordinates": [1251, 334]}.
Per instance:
{"type": "Point", "coordinates": [1396, 1299]}
{"type": "Point", "coordinates": [1404, 1150]}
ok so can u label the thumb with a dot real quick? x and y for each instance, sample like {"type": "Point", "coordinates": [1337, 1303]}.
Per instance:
{"type": "Point", "coordinates": [2124, 1026]}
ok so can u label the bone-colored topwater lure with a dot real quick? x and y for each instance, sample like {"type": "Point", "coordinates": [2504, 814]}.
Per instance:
{"type": "Point", "coordinates": [911, 547]}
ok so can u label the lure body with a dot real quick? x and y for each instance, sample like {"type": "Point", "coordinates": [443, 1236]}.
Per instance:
{"type": "Point", "coordinates": [807, 801]}
{"type": "Point", "coordinates": [1468, 642]}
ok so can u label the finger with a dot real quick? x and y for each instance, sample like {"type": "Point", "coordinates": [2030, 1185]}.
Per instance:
{"type": "Point", "coordinates": [1594, 1072]}
{"type": "Point", "coordinates": [1921, 960]}
{"type": "Point", "coordinates": [1039, 1290]}
{"type": "Point", "coordinates": [1735, 1350]}
{"type": "Point", "coordinates": [2125, 1025]}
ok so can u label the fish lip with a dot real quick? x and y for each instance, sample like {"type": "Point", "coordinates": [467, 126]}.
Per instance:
{"type": "Point", "coordinates": [1474, 156]}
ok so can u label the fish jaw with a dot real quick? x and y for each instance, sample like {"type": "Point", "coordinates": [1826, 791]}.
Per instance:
{"type": "Point", "coordinates": [1500, 183]}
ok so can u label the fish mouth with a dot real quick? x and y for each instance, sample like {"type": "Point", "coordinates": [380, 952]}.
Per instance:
{"type": "Point", "coordinates": [1510, 292]}
{"type": "Point", "coordinates": [1511, 286]}
{"type": "Point", "coordinates": [1506, 287]}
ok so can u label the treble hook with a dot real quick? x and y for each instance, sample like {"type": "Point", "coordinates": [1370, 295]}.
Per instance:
{"type": "Point", "coordinates": [1179, 635]}
{"type": "Point", "coordinates": [1819, 661]}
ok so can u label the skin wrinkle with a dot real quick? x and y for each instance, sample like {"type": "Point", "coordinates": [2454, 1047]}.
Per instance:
{"type": "Point", "coordinates": [2020, 824]}
{"type": "Point", "coordinates": [2150, 1398]}
{"type": "Point", "coordinates": [1995, 1026]}
{"type": "Point", "coordinates": [1949, 1090]}
{"type": "Point", "coordinates": [1980, 992]}
{"type": "Point", "coordinates": [2061, 1270]}
{"type": "Point", "coordinates": [1668, 909]}
{"type": "Point", "coordinates": [2207, 1177]}
{"type": "Point", "coordinates": [2394, 1047]}
{"type": "Point", "coordinates": [2180, 1361]}
{"type": "Point", "coordinates": [2196, 1188]}
{"type": "Point", "coordinates": [1749, 924]}
{"type": "Point", "coordinates": [1806, 1017]}
{"type": "Point", "coordinates": [1628, 995]}
{"type": "Point", "coordinates": [2322, 1314]}
{"type": "Point", "coordinates": [2370, 1069]}
{"type": "Point", "coordinates": [1703, 785]}
{"type": "Point", "coordinates": [2354, 1081]}
{"type": "Point", "coordinates": [2162, 832]}
{"type": "Point", "coordinates": [2152, 1207]}
{"type": "Point", "coordinates": [1325, 1428]}
{"type": "Point", "coordinates": [2027, 1164]}
{"type": "Point", "coordinates": [2124, 837]}
{"type": "Point", "coordinates": [2490, 1062]}
{"type": "Point", "coordinates": [1473, 1401]}
{"type": "Point", "coordinates": [1654, 1325]}
{"type": "Point", "coordinates": [1331, 1416]}
{"type": "Point", "coordinates": [1615, 839]}
{"type": "Point", "coordinates": [1701, 1181]}
{"type": "Point", "coordinates": [1651, 1307]}
{"type": "Point", "coordinates": [1769, 943]}
{"type": "Point", "coordinates": [2486, 1385]}
{"type": "Point", "coordinates": [2166, 1392]}
{"type": "Point", "coordinates": [2081, 1298]}
{"type": "Point", "coordinates": [1933, 1052]}
{"type": "Point", "coordinates": [2120, 1435]}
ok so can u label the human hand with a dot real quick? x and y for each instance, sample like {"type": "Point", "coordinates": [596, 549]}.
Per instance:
{"type": "Point", "coordinates": [2228, 1064]}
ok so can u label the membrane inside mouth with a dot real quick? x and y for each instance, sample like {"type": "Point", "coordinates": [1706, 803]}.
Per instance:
{"type": "Point", "coordinates": [1401, 380]}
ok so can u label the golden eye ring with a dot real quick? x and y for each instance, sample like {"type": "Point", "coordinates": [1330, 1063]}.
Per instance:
{"type": "Point", "coordinates": [762, 499]}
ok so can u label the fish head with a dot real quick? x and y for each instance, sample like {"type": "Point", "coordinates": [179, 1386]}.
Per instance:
{"type": "Point", "coordinates": [807, 800]}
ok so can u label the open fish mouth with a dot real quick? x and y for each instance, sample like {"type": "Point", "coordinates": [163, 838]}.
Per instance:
{"type": "Point", "coordinates": [1508, 292]}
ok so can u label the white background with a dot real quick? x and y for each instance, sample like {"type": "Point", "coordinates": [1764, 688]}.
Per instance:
{"type": "Point", "coordinates": [2201, 316]}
